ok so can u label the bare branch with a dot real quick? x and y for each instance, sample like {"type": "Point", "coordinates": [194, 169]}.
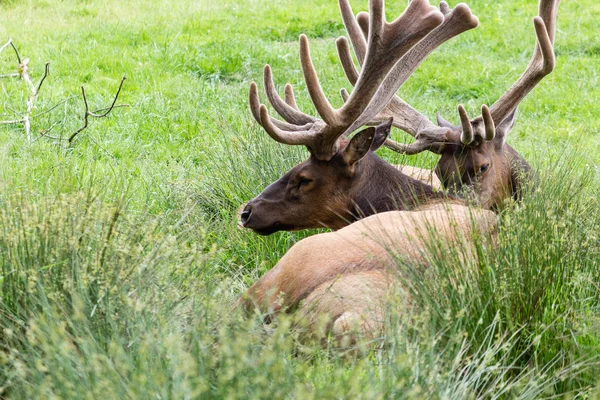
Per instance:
{"type": "Point", "coordinates": [44, 133]}
{"type": "Point", "coordinates": [109, 109]}
{"type": "Point", "coordinates": [54, 107]}
{"type": "Point", "coordinates": [11, 122]}
{"type": "Point", "coordinates": [46, 72]}
{"type": "Point", "coordinates": [95, 114]}
{"type": "Point", "coordinates": [24, 71]}
{"type": "Point", "coordinates": [14, 74]}
{"type": "Point", "coordinates": [26, 117]}
{"type": "Point", "coordinates": [16, 51]}
{"type": "Point", "coordinates": [85, 116]}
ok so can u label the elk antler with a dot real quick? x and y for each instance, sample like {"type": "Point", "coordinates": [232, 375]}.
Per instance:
{"type": "Point", "coordinates": [387, 44]}
{"type": "Point", "coordinates": [542, 63]}
{"type": "Point", "coordinates": [456, 21]}
{"type": "Point", "coordinates": [483, 127]}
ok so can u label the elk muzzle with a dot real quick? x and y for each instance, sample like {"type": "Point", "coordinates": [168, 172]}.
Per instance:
{"type": "Point", "coordinates": [258, 216]}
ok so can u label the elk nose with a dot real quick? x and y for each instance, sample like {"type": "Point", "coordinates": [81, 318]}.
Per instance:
{"type": "Point", "coordinates": [245, 215]}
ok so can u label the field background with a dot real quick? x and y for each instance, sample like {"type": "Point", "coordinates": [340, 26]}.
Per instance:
{"type": "Point", "coordinates": [120, 258]}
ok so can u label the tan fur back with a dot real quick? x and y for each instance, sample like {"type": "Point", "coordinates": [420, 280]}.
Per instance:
{"type": "Point", "coordinates": [421, 174]}
{"type": "Point", "coordinates": [346, 274]}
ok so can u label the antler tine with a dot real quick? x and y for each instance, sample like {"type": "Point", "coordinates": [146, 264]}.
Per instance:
{"type": "Point", "coordinates": [548, 10]}
{"type": "Point", "coordinates": [408, 149]}
{"type": "Point", "coordinates": [254, 102]}
{"type": "Point", "coordinates": [289, 96]}
{"type": "Point", "coordinates": [433, 140]}
{"type": "Point", "coordinates": [255, 107]}
{"type": "Point", "coordinates": [346, 59]}
{"type": "Point", "coordinates": [353, 29]}
{"type": "Point", "coordinates": [363, 21]}
{"type": "Point", "coordinates": [541, 64]}
{"type": "Point", "coordinates": [488, 123]}
{"type": "Point", "coordinates": [376, 21]}
{"type": "Point", "coordinates": [324, 108]}
{"type": "Point", "coordinates": [457, 21]}
{"type": "Point", "coordinates": [466, 137]}
{"type": "Point", "coordinates": [289, 113]}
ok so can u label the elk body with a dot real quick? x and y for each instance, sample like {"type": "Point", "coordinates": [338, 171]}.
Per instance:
{"type": "Point", "coordinates": [328, 190]}
{"type": "Point", "coordinates": [348, 274]}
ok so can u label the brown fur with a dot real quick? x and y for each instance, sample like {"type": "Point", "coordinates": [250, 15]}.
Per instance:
{"type": "Point", "coordinates": [421, 174]}
{"type": "Point", "coordinates": [347, 274]}
{"type": "Point", "coordinates": [459, 170]}
{"type": "Point", "coordinates": [337, 194]}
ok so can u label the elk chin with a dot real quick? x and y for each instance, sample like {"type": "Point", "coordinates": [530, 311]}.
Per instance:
{"type": "Point", "coordinates": [269, 230]}
{"type": "Point", "coordinates": [266, 229]}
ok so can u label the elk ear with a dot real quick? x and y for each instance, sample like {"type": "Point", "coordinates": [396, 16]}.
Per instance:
{"type": "Point", "coordinates": [369, 139]}
{"type": "Point", "coordinates": [382, 132]}
{"type": "Point", "coordinates": [505, 127]}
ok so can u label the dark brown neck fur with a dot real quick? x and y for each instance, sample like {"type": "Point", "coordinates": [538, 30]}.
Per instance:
{"type": "Point", "coordinates": [382, 187]}
{"type": "Point", "coordinates": [520, 171]}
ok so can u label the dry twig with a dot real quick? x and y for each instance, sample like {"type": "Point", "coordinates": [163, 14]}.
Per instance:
{"type": "Point", "coordinates": [5, 45]}
{"type": "Point", "coordinates": [25, 119]}
{"type": "Point", "coordinates": [11, 75]}
{"type": "Point", "coordinates": [95, 114]}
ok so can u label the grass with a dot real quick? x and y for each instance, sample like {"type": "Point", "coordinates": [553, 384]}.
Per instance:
{"type": "Point", "coordinates": [120, 259]}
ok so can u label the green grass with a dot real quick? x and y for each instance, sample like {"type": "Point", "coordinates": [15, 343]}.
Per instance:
{"type": "Point", "coordinates": [120, 258]}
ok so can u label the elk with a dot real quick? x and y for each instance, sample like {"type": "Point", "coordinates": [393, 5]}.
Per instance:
{"type": "Point", "coordinates": [348, 274]}
{"type": "Point", "coordinates": [474, 154]}
{"type": "Point", "coordinates": [343, 180]}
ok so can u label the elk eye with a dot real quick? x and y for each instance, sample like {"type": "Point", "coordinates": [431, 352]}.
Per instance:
{"type": "Point", "coordinates": [484, 168]}
{"type": "Point", "coordinates": [304, 181]}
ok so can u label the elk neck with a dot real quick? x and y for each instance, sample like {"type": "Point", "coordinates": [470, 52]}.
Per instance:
{"type": "Point", "coordinates": [520, 171]}
{"type": "Point", "coordinates": [382, 187]}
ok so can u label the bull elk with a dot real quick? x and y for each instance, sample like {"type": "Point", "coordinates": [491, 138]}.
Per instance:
{"type": "Point", "coordinates": [474, 154]}
{"type": "Point", "coordinates": [343, 180]}
{"type": "Point", "coordinates": [347, 275]}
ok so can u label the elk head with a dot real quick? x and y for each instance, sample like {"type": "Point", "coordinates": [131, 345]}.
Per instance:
{"type": "Point", "coordinates": [483, 166]}
{"type": "Point", "coordinates": [343, 178]}
{"type": "Point", "coordinates": [474, 155]}
{"type": "Point", "coordinates": [317, 193]}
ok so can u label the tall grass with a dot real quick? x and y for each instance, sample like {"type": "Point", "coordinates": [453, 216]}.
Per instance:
{"type": "Point", "coordinates": [100, 301]}
{"type": "Point", "coordinates": [120, 258]}
{"type": "Point", "coordinates": [538, 285]}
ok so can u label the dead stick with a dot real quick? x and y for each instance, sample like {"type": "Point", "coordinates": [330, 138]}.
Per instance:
{"type": "Point", "coordinates": [89, 113]}
{"type": "Point", "coordinates": [24, 70]}
{"type": "Point", "coordinates": [16, 51]}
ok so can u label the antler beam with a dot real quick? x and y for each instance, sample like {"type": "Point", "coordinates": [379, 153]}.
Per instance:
{"type": "Point", "coordinates": [482, 127]}
{"type": "Point", "coordinates": [387, 44]}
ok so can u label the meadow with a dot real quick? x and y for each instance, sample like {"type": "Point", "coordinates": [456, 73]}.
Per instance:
{"type": "Point", "coordinates": [120, 255]}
